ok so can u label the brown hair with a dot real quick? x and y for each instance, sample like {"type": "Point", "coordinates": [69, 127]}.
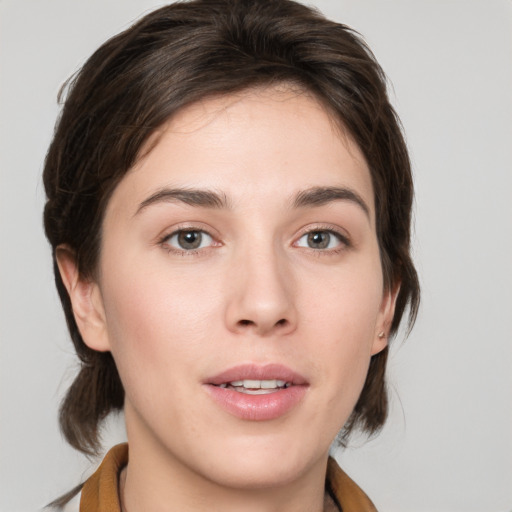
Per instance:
{"type": "Point", "coordinates": [173, 57]}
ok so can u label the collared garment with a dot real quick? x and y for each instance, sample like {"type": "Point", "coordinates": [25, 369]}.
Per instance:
{"type": "Point", "coordinates": [100, 491]}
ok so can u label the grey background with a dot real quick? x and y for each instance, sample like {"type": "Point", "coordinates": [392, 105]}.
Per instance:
{"type": "Point", "coordinates": [448, 443]}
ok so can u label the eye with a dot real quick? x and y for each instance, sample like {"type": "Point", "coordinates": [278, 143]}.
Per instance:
{"type": "Point", "coordinates": [189, 240]}
{"type": "Point", "coordinates": [321, 239]}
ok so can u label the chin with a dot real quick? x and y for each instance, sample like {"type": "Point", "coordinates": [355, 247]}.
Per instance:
{"type": "Point", "coordinates": [256, 473]}
{"type": "Point", "coordinates": [263, 461]}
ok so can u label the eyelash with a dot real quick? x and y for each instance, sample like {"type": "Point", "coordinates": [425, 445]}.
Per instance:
{"type": "Point", "coordinates": [164, 241]}
{"type": "Point", "coordinates": [343, 240]}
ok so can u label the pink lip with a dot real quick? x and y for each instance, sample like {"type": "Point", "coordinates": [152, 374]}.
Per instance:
{"type": "Point", "coordinates": [257, 407]}
{"type": "Point", "coordinates": [257, 372]}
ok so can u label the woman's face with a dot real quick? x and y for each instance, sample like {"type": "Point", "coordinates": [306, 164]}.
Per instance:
{"type": "Point", "coordinates": [240, 288]}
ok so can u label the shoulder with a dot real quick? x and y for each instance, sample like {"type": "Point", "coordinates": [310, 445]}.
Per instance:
{"type": "Point", "coordinates": [349, 495]}
{"type": "Point", "coordinates": [100, 491]}
{"type": "Point", "coordinates": [73, 505]}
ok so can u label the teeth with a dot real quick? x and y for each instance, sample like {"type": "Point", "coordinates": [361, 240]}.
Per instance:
{"type": "Point", "coordinates": [256, 386]}
{"type": "Point", "coordinates": [254, 391]}
{"type": "Point", "coordinates": [269, 384]}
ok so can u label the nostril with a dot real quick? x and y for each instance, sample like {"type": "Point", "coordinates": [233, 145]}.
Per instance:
{"type": "Point", "coordinates": [244, 324]}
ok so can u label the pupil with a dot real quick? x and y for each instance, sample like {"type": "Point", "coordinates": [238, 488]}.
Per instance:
{"type": "Point", "coordinates": [189, 239]}
{"type": "Point", "coordinates": [318, 239]}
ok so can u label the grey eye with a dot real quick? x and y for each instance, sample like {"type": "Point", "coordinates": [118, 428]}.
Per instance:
{"type": "Point", "coordinates": [321, 239]}
{"type": "Point", "coordinates": [189, 240]}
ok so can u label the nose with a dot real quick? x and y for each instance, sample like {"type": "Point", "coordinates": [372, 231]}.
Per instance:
{"type": "Point", "coordinates": [262, 295]}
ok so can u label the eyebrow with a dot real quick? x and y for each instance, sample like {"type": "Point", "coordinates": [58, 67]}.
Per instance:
{"type": "Point", "coordinates": [319, 196]}
{"type": "Point", "coordinates": [193, 197]}
{"type": "Point", "coordinates": [311, 197]}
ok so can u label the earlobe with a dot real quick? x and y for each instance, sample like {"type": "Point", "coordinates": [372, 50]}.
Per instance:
{"type": "Point", "coordinates": [85, 299]}
{"type": "Point", "coordinates": [385, 319]}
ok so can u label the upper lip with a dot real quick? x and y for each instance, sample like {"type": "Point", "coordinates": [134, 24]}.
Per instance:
{"type": "Point", "coordinates": [258, 372]}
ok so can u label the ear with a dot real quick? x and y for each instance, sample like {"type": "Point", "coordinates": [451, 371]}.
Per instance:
{"type": "Point", "coordinates": [385, 319]}
{"type": "Point", "coordinates": [86, 301]}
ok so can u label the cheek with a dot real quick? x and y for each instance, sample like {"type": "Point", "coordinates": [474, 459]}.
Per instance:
{"type": "Point", "coordinates": [160, 321]}
{"type": "Point", "coordinates": [147, 297]}
{"type": "Point", "coordinates": [147, 314]}
{"type": "Point", "coordinates": [345, 303]}
{"type": "Point", "coordinates": [342, 324]}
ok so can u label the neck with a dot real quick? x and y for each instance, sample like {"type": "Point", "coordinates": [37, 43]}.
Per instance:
{"type": "Point", "coordinates": [135, 497]}
{"type": "Point", "coordinates": [157, 481]}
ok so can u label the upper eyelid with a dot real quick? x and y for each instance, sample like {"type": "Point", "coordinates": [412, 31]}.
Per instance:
{"type": "Point", "coordinates": [343, 235]}
{"type": "Point", "coordinates": [344, 238]}
{"type": "Point", "coordinates": [177, 231]}
{"type": "Point", "coordinates": [341, 238]}
{"type": "Point", "coordinates": [186, 227]}
{"type": "Point", "coordinates": [331, 228]}
{"type": "Point", "coordinates": [163, 242]}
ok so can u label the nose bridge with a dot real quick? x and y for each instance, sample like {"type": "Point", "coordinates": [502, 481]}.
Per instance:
{"type": "Point", "coordinates": [263, 290]}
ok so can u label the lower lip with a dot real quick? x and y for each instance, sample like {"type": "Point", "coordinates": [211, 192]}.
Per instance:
{"type": "Point", "coordinates": [257, 407]}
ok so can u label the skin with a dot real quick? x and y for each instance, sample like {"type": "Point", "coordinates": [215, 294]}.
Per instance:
{"type": "Point", "coordinates": [255, 291]}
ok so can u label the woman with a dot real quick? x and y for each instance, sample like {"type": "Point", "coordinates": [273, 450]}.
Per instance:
{"type": "Point", "coordinates": [229, 200]}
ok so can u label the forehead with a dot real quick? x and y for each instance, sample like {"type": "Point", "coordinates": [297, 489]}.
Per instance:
{"type": "Point", "coordinates": [260, 143]}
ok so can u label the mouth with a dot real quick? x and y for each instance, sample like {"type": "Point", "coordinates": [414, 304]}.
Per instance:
{"type": "Point", "coordinates": [256, 387]}
{"type": "Point", "coordinates": [261, 379]}
{"type": "Point", "coordinates": [257, 393]}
